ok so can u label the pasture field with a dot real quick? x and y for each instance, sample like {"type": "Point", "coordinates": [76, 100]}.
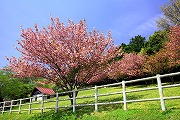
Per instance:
{"type": "Point", "coordinates": [150, 110]}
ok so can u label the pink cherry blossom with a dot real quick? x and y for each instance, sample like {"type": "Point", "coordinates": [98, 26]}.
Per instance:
{"type": "Point", "coordinates": [67, 55]}
{"type": "Point", "coordinates": [129, 66]}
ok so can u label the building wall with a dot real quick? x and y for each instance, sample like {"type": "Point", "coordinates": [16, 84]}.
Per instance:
{"type": "Point", "coordinates": [38, 97]}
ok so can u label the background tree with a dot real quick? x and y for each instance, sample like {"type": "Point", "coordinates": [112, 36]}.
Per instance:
{"type": "Point", "coordinates": [168, 58]}
{"type": "Point", "coordinates": [66, 55]}
{"type": "Point", "coordinates": [155, 42]}
{"type": "Point", "coordinates": [173, 46]}
{"type": "Point", "coordinates": [13, 88]}
{"type": "Point", "coordinates": [131, 65]}
{"type": "Point", "coordinates": [134, 45]}
{"type": "Point", "coordinates": [171, 16]}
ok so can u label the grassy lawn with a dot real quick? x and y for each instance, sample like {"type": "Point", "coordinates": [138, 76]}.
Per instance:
{"type": "Point", "coordinates": [150, 110]}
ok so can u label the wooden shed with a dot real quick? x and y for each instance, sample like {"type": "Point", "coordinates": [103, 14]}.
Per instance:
{"type": "Point", "coordinates": [39, 91]}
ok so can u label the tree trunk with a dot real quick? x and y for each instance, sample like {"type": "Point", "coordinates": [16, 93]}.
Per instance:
{"type": "Point", "coordinates": [172, 80]}
{"type": "Point", "coordinates": [1, 100]}
{"type": "Point", "coordinates": [71, 96]}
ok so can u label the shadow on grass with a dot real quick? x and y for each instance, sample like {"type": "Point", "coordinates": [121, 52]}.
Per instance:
{"type": "Point", "coordinates": [67, 114]}
{"type": "Point", "coordinates": [140, 86]}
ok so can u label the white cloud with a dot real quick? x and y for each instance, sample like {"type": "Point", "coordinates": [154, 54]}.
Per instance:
{"type": "Point", "coordinates": [145, 28]}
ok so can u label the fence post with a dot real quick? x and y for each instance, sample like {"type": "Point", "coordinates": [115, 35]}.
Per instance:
{"type": "Point", "coordinates": [30, 103]}
{"type": "Point", "coordinates": [96, 98]}
{"type": "Point", "coordinates": [124, 94]}
{"type": "Point", "coordinates": [160, 92]}
{"type": "Point", "coordinates": [57, 100]}
{"type": "Point", "coordinates": [42, 104]}
{"type": "Point", "coordinates": [20, 106]}
{"type": "Point", "coordinates": [74, 100]}
{"type": "Point", "coordinates": [4, 103]}
{"type": "Point", "coordinates": [10, 111]}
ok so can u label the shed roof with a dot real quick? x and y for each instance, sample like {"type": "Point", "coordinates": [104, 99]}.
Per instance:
{"type": "Point", "coordinates": [47, 91]}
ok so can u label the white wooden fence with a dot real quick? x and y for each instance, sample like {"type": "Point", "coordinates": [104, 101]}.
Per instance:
{"type": "Point", "coordinates": [7, 106]}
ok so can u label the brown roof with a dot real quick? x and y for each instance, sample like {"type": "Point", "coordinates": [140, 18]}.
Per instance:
{"type": "Point", "coordinates": [47, 91]}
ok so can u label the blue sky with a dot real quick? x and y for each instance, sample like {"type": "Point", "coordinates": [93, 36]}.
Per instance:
{"type": "Point", "coordinates": [124, 18]}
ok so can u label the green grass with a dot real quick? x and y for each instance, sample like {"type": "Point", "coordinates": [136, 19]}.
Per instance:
{"type": "Point", "coordinates": [150, 110]}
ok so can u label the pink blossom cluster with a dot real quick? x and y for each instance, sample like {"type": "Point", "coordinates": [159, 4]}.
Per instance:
{"type": "Point", "coordinates": [67, 55]}
{"type": "Point", "coordinates": [130, 65]}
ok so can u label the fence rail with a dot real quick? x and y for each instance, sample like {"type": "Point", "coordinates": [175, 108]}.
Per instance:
{"type": "Point", "coordinates": [7, 106]}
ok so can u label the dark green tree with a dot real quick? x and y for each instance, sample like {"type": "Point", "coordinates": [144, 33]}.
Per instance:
{"type": "Point", "coordinates": [13, 88]}
{"type": "Point", "coordinates": [155, 42]}
{"type": "Point", "coordinates": [134, 45]}
{"type": "Point", "coordinates": [125, 48]}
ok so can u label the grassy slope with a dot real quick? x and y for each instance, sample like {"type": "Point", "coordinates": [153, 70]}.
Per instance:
{"type": "Point", "coordinates": [139, 110]}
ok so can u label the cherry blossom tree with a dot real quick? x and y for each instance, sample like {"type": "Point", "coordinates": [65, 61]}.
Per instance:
{"type": "Point", "coordinates": [69, 56]}
{"type": "Point", "coordinates": [173, 46]}
{"type": "Point", "coordinates": [167, 58]}
{"type": "Point", "coordinates": [157, 64]}
{"type": "Point", "coordinates": [129, 66]}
